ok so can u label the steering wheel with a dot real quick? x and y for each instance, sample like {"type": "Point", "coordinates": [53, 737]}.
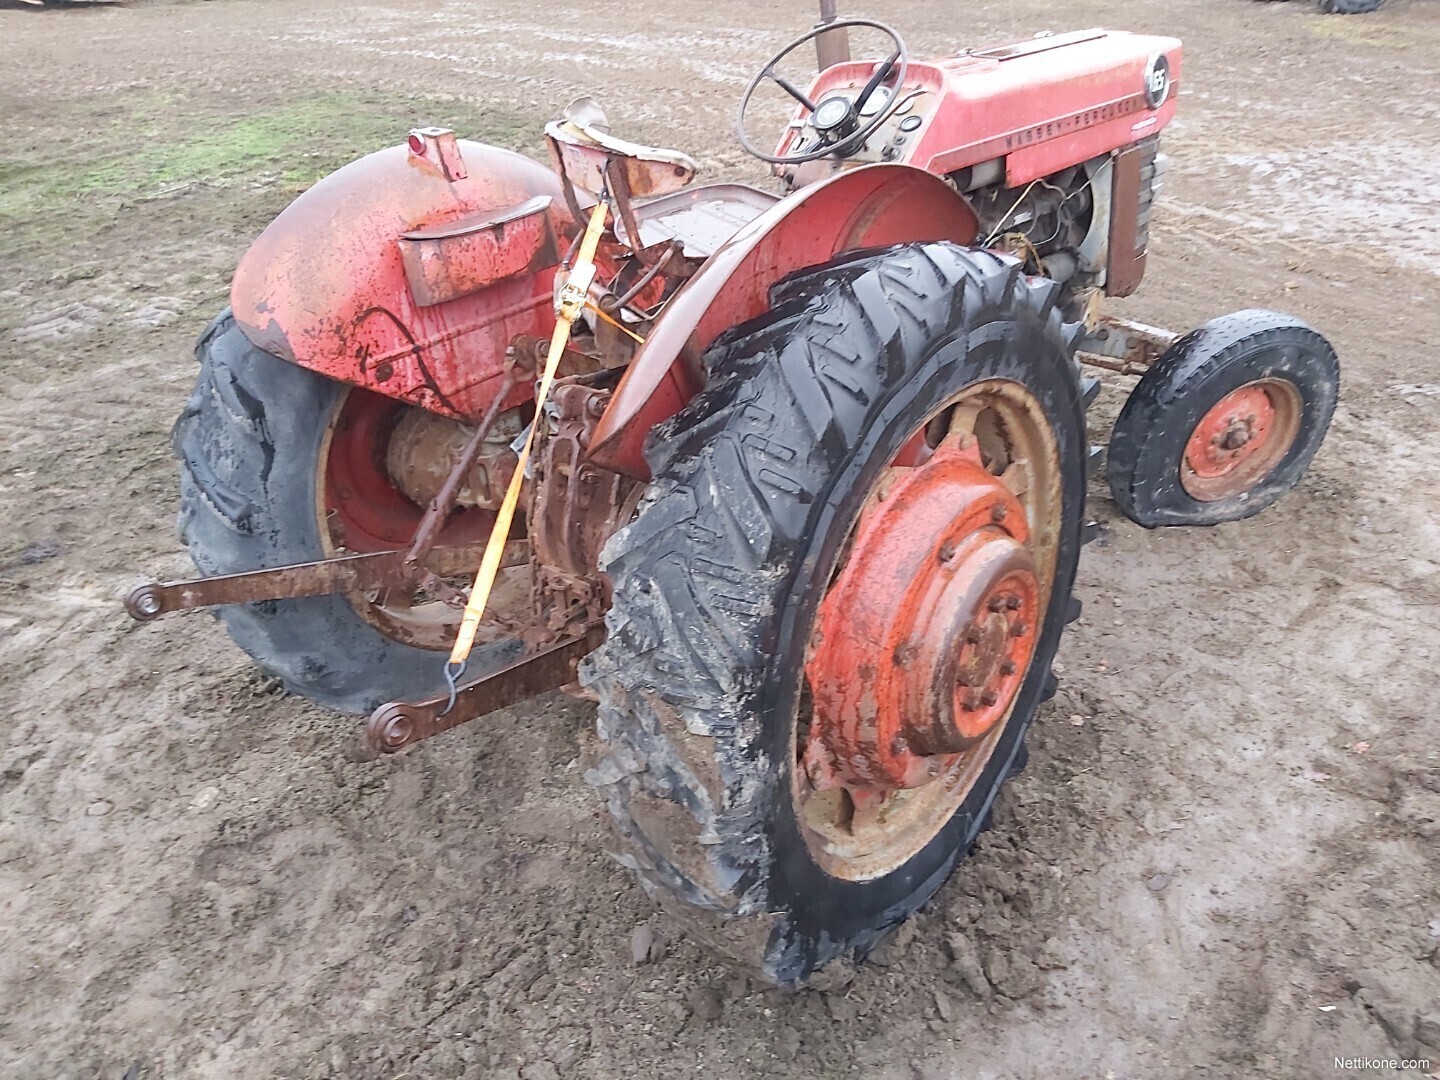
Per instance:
{"type": "Point", "coordinates": [835, 118]}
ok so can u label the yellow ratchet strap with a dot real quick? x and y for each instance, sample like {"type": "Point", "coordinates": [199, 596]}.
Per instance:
{"type": "Point", "coordinates": [572, 299]}
{"type": "Point", "coordinates": [613, 321]}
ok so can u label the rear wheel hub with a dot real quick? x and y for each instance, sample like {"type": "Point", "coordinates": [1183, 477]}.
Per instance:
{"type": "Point", "coordinates": [381, 461]}
{"type": "Point", "coordinates": [924, 638]}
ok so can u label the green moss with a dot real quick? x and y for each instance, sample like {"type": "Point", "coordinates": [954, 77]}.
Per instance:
{"type": "Point", "coordinates": [155, 145]}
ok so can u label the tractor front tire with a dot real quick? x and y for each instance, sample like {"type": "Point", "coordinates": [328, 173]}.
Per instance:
{"type": "Point", "coordinates": [757, 486]}
{"type": "Point", "coordinates": [1264, 379]}
{"type": "Point", "coordinates": [250, 441]}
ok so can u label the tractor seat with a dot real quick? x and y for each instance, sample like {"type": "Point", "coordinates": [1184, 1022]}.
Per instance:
{"type": "Point", "coordinates": [701, 219]}
{"type": "Point", "coordinates": [583, 146]}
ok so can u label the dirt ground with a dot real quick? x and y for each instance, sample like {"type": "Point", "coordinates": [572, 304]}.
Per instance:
{"type": "Point", "coordinates": [1224, 860]}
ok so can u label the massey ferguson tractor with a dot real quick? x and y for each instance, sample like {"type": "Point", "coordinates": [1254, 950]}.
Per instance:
{"type": "Point", "coordinates": [790, 482]}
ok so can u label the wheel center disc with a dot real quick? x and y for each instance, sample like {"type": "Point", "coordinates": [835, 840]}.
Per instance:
{"type": "Point", "coordinates": [1236, 428]}
{"type": "Point", "coordinates": [925, 636]}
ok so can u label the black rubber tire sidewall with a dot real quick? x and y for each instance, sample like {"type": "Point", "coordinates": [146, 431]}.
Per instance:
{"type": "Point", "coordinates": [819, 904]}
{"type": "Point", "coordinates": [249, 442]}
{"type": "Point", "coordinates": [717, 578]}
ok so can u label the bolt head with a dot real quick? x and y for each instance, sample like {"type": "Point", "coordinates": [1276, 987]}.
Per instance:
{"type": "Point", "coordinates": [149, 604]}
{"type": "Point", "coordinates": [1018, 628]}
{"type": "Point", "coordinates": [1007, 668]}
{"type": "Point", "coordinates": [998, 512]}
{"type": "Point", "coordinates": [988, 698]}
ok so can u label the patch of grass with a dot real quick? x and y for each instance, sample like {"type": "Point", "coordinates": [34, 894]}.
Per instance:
{"type": "Point", "coordinates": [156, 145]}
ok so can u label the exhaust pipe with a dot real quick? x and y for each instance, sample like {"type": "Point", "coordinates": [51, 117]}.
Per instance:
{"type": "Point", "coordinates": [833, 47]}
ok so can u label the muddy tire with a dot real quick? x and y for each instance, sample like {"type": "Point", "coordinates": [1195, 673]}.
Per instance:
{"type": "Point", "coordinates": [757, 483]}
{"type": "Point", "coordinates": [1160, 474]}
{"type": "Point", "coordinates": [1349, 7]}
{"type": "Point", "coordinates": [249, 442]}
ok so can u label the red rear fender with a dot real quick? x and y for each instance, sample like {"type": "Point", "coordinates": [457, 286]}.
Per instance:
{"type": "Point", "coordinates": [874, 206]}
{"type": "Point", "coordinates": [390, 276]}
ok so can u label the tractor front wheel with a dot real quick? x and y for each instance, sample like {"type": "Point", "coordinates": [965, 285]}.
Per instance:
{"type": "Point", "coordinates": [835, 611]}
{"type": "Point", "coordinates": [1225, 422]}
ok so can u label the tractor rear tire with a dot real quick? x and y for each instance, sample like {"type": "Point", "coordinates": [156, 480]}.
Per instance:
{"type": "Point", "coordinates": [249, 442]}
{"type": "Point", "coordinates": [757, 484]}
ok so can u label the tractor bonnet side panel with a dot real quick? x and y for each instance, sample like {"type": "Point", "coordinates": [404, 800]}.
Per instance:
{"type": "Point", "coordinates": [1044, 109]}
{"type": "Point", "coordinates": [1038, 106]}
{"type": "Point", "coordinates": [409, 275]}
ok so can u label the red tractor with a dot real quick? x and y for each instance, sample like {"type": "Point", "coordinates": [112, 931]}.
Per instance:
{"type": "Point", "coordinates": [793, 484]}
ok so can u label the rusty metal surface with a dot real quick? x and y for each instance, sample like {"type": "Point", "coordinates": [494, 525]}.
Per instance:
{"type": "Point", "coordinates": [463, 256]}
{"type": "Point", "coordinates": [574, 508]}
{"type": "Point", "coordinates": [394, 726]}
{"type": "Point", "coordinates": [591, 158]}
{"type": "Point", "coordinates": [438, 147]}
{"type": "Point", "coordinates": [325, 287]}
{"type": "Point", "coordinates": [1123, 345]}
{"type": "Point", "coordinates": [1127, 253]}
{"type": "Point", "coordinates": [875, 206]}
{"type": "Point", "coordinates": [460, 475]}
{"type": "Point", "coordinates": [428, 453]}
{"type": "Point", "coordinates": [926, 635]}
{"type": "Point", "coordinates": [364, 507]}
{"type": "Point", "coordinates": [1241, 439]}
{"type": "Point", "coordinates": [624, 201]}
{"type": "Point", "coordinates": [359, 573]}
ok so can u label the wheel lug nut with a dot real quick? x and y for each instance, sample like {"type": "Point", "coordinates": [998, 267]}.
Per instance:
{"type": "Point", "coordinates": [998, 512]}
{"type": "Point", "coordinates": [1007, 668]}
{"type": "Point", "coordinates": [973, 635]}
{"type": "Point", "coordinates": [996, 604]}
{"type": "Point", "coordinates": [1018, 628]}
{"type": "Point", "coordinates": [947, 552]}
{"type": "Point", "coordinates": [1013, 603]}
{"type": "Point", "coordinates": [988, 698]}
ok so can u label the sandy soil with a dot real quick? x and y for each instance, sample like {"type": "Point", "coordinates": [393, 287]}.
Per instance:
{"type": "Point", "coordinates": [1224, 860]}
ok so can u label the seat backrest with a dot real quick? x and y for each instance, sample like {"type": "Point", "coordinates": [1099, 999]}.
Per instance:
{"type": "Point", "coordinates": [582, 146]}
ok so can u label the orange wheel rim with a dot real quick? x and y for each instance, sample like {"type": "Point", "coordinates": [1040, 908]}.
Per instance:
{"type": "Point", "coordinates": [927, 631]}
{"type": "Point", "coordinates": [1240, 440]}
{"type": "Point", "coordinates": [360, 509]}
